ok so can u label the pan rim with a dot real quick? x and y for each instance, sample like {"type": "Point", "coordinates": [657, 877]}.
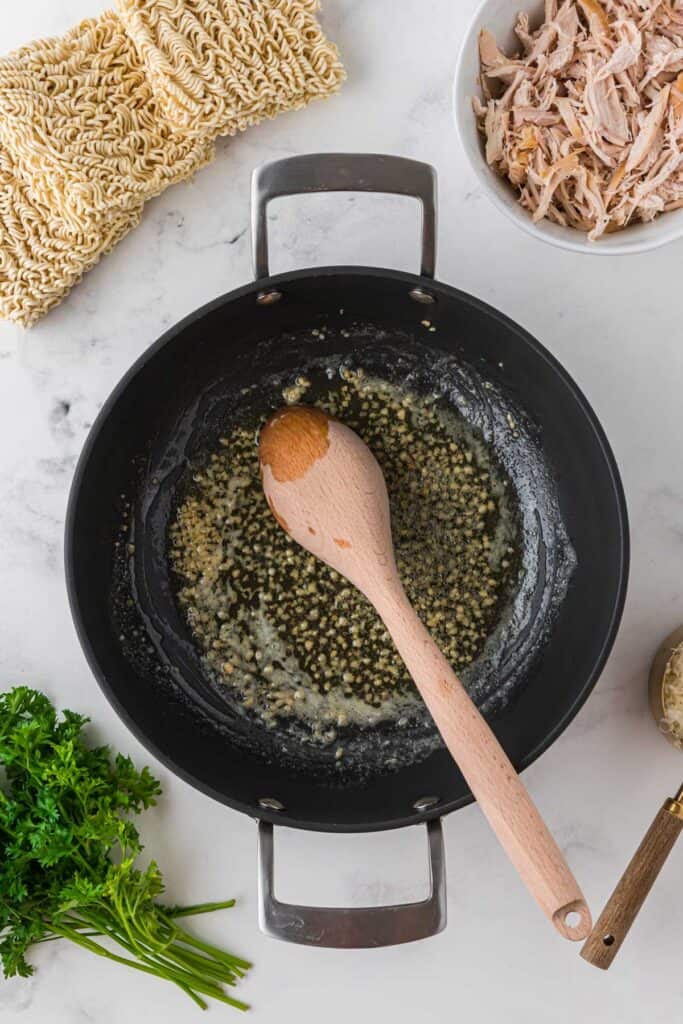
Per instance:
{"type": "Point", "coordinates": [254, 287]}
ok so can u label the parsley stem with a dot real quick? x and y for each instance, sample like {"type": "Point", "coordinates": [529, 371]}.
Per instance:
{"type": "Point", "coordinates": [165, 960]}
{"type": "Point", "coordinates": [95, 947]}
{"type": "Point", "coordinates": [213, 951]}
{"type": "Point", "coordinates": [201, 1003]}
{"type": "Point", "coordinates": [198, 908]}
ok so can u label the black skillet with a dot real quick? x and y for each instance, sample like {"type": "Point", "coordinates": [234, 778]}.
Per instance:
{"type": "Point", "coordinates": [172, 401]}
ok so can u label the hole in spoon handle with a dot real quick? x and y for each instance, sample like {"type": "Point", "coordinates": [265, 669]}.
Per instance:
{"type": "Point", "coordinates": [573, 920]}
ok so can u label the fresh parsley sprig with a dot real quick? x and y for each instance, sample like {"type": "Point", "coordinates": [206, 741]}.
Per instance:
{"type": "Point", "coordinates": [68, 851]}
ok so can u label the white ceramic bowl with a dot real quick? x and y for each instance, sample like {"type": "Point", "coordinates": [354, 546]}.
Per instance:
{"type": "Point", "coordinates": [499, 16]}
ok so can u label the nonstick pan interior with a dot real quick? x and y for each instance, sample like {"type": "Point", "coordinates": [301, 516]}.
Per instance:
{"type": "Point", "coordinates": [143, 567]}
{"type": "Point", "coordinates": [177, 402]}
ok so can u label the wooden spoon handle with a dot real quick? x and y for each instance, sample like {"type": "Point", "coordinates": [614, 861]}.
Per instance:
{"type": "Point", "coordinates": [489, 773]}
{"type": "Point", "coordinates": [624, 904]}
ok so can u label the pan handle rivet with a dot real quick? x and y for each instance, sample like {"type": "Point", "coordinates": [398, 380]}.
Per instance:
{"type": "Point", "coordinates": [425, 802]}
{"type": "Point", "coordinates": [269, 803]}
{"type": "Point", "coordinates": [269, 298]}
{"type": "Point", "coordinates": [425, 298]}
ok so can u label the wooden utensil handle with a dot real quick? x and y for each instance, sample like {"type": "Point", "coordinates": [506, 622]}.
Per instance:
{"type": "Point", "coordinates": [623, 906]}
{"type": "Point", "coordinates": [488, 772]}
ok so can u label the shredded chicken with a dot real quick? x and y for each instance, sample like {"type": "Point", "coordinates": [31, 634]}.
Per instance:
{"type": "Point", "coordinates": [586, 121]}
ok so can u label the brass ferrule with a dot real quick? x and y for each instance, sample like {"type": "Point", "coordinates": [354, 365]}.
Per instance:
{"type": "Point", "coordinates": [675, 807]}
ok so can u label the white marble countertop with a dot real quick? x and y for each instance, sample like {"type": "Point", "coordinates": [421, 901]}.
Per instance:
{"type": "Point", "coordinates": [614, 323]}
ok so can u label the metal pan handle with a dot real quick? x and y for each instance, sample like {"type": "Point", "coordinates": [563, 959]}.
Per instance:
{"type": "Point", "coordinates": [352, 928]}
{"type": "Point", "coordinates": [342, 172]}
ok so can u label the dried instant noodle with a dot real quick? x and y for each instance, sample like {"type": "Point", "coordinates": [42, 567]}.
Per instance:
{"type": "Point", "coordinates": [218, 67]}
{"type": "Point", "coordinates": [103, 118]}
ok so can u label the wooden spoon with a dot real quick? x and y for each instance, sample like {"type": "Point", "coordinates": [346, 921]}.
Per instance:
{"type": "Point", "coordinates": [326, 489]}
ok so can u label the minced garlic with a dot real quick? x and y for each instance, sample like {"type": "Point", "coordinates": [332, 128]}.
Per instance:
{"type": "Point", "coordinates": [288, 635]}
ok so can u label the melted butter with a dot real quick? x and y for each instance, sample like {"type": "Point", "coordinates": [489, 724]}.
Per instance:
{"type": "Point", "coordinates": [256, 661]}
